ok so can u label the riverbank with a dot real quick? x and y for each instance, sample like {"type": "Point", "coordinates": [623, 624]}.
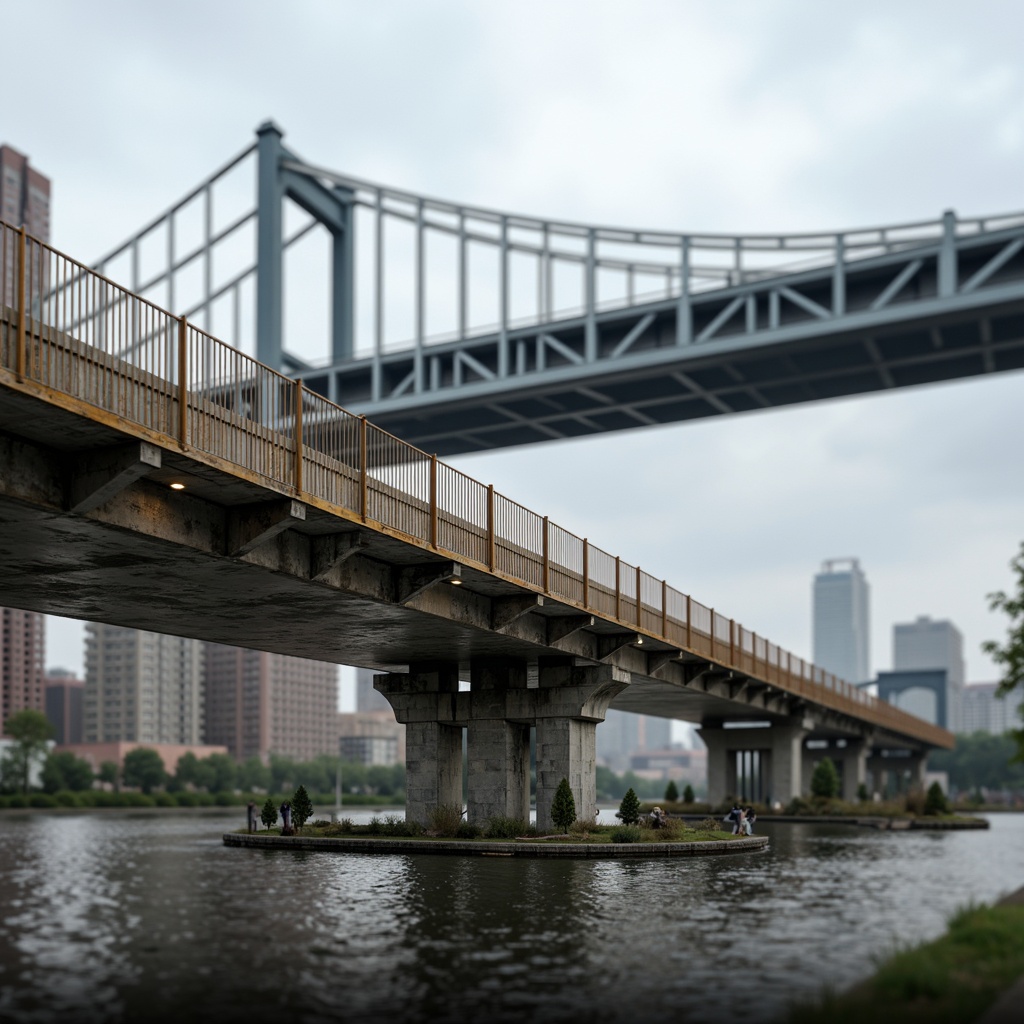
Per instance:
{"type": "Point", "coordinates": [965, 976]}
{"type": "Point", "coordinates": [532, 848]}
{"type": "Point", "coordinates": [952, 823]}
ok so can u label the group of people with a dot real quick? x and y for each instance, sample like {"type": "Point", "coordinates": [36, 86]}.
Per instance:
{"type": "Point", "coordinates": [742, 820]}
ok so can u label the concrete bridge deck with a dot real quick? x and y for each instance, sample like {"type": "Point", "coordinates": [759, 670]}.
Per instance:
{"type": "Point", "coordinates": [302, 529]}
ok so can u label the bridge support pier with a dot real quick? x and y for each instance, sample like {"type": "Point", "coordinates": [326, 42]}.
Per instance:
{"type": "Point", "coordinates": [854, 760]}
{"type": "Point", "coordinates": [781, 759]}
{"type": "Point", "coordinates": [569, 704]}
{"type": "Point", "coordinates": [425, 701]}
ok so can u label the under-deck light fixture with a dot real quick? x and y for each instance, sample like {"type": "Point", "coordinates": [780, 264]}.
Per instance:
{"type": "Point", "coordinates": [455, 582]}
{"type": "Point", "coordinates": [177, 487]}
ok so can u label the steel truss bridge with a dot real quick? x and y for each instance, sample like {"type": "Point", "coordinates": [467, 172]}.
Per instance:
{"type": "Point", "coordinates": [460, 328]}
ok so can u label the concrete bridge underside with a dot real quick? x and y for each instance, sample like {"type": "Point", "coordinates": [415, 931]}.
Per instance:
{"type": "Point", "coordinates": [90, 528]}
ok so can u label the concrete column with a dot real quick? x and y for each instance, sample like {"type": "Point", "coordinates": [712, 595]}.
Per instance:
{"type": "Point", "coordinates": [721, 763]}
{"type": "Point", "coordinates": [854, 758]}
{"type": "Point", "coordinates": [787, 778]}
{"type": "Point", "coordinates": [569, 703]}
{"type": "Point", "coordinates": [498, 749]}
{"type": "Point", "coordinates": [425, 701]}
{"type": "Point", "coordinates": [916, 765]}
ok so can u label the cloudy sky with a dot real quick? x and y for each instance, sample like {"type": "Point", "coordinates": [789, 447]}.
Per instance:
{"type": "Point", "coordinates": [743, 116]}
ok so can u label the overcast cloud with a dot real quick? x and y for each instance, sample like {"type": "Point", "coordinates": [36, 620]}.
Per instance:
{"type": "Point", "coordinates": [774, 116]}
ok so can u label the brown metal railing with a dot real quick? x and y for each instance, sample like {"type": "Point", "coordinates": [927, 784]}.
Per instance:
{"type": "Point", "coordinates": [70, 331]}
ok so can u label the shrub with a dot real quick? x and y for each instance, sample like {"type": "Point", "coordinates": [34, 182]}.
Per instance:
{"type": "Point", "coordinates": [629, 809]}
{"type": "Point", "coordinates": [42, 800]}
{"type": "Point", "coordinates": [709, 825]}
{"type": "Point", "coordinates": [17, 800]}
{"type": "Point", "coordinates": [627, 834]}
{"type": "Point", "coordinates": [688, 796]}
{"type": "Point", "coordinates": [914, 801]}
{"type": "Point", "coordinates": [862, 793]}
{"type": "Point", "coordinates": [375, 827]}
{"type": "Point", "coordinates": [165, 800]}
{"type": "Point", "coordinates": [581, 829]}
{"type": "Point", "coordinates": [269, 813]}
{"type": "Point", "coordinates": [467, 831]}
{"type": "Point", "coordinates": [563, 807]}
{"type": "Point", "coordinates": [935, 802]}
{"type": "Point", "coordinates": [825, 780]}
{"type": "Point", "coordinates": [671, 792]}
{"type": "Point", "coordinates": [65, 798]}
{"type": "Point", "coordinates": [302, 807]}
{"type": "Point", "coordinates": [502, 827]}
{"type": "Point", "coordinates": [799, 805]}
{"type": "Point", "coordinates": [223, 799]}
{"type": "Point", "coordinates": [445, 820]}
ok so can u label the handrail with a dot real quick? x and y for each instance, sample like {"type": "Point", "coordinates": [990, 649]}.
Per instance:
{"type": "Point", "coordinates": [210, 398]}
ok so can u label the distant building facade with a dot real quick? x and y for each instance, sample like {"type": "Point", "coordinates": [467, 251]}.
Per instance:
{"type": "Point", "coordinates": [676, 763]}
{"type": "Point", "coordinates": [142, 687]}
{"type": "Point", "coordinates": [982, 710]}
{"type": "Point", "coordinates": [923, 692]}
{"type": "Point", "coordinates": [65, 702]}
{"type": "Point", "coordinates": [370, 737]}
{"type": "Point", "coordinates": [367, 698]}
{"type": "Point", "coordinates": [623, 734]}
{"type": "Point", "coordinates": [22, 656]}
{"type": "Point", "coordinates": [841, 620]}
{"type": "Point", "coordinates": [98, 753]}
{"type": "Point", "coordinates": [24, 201]}
{"type": "Point", "coordinates": [933, 644]}
{"type": "Point", "coordinates": [258, 704]}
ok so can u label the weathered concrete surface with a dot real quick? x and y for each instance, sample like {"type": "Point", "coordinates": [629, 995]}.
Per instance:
{"type": "Point", "coordinates": [464, 848]}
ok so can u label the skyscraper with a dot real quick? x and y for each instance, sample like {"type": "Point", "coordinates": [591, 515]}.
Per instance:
{"type": "Point", "coordinates": [933, 643]}
{"type": "Point", "coordinates": [24, 200]}
{"type": "Point", "coordinates": [22, 654]}
{"type": "Point", "coordinates": [259, 704]}
{"type": "Point", "coordinates": [367, 698]}
{"type": "Point", "coordinates": [841, 626]}
{"type": "Point", "coordinates": [64, 705]}
{"type": "Point", "coordinates": [142, 687]}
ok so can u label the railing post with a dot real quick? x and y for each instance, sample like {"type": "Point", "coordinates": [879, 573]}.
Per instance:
{"type": "Point", "coordinates": [732, 641]}
{"type": "Point", "coordinates": [684, 330]}
{"type": "Point", "coordinates": [491, 560]}
{"type": "Point", "coordinates": [182, 381]}
{"type": "Point", "coordinates": [298, 437]}
{"type": "Point", "coordinates": [21, 340]}
{"type": "Point", "coordinates": [664, 608]}
{"type": "Point", "coordinates": [839, 278]}
{"type": "Point", "coordinates": [364, 503]}
{"type": "Point", "coordinates": [433, 501]}
{"type": "Point", "coordinates": [638, 579]}
{"type": "Point", "coordinates": [545, 579]}
{"type": "Point", "coordinates": [618, 589]}
{"type": "Point", "coordinates": [689, 623]}
{"type": "Point", "coordinates": [586, 573]}
{"type": "Point", "coordinates": [947, 269]}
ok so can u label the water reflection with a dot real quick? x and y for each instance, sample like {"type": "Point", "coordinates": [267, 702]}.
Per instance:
{"type": "Point", "coordinates": [108, 917]}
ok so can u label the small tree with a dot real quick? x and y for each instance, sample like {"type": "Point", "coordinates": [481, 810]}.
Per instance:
{"type": "Point", "coordinates": [862, 793]}
{"type": "Point", "coordinates": [109, 773]}
{"type": "Point", "coordinates": [563, 807]}
{"type": "Point", "coordinates": [66, 771]}
{"type": "Point", "coordinates": [629, 809]}
{"type": "Point", "coordinates": [1010, 655]}
{"type": "Point", "coordinates": [935, 802]}
{"type": "Point", "coordinates": [30, 730]}
{"type": "Point", "coordinates": [825, 780]}
{"type": "Point", "coordinates": [302, 808]}
{"type": "Point", "coordinates": [671, 793]}
{"type": "Point", "coordinates": [144, 767]}
{"type": "Point", "coordinates": [269, 813]}
{"type": "Point", "coordinates": [688, 796]}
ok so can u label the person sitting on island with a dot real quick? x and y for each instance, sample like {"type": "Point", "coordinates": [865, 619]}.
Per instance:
{"type": "Point", "coordinates": [658, 818]}
{"type": "Point", "coordinates": [733, 818]}
{"type": "Point", "coordinates": [748, 821]}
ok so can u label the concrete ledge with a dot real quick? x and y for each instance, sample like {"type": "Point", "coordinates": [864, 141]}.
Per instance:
{"type": "Point", "coordinates": [463, 848]}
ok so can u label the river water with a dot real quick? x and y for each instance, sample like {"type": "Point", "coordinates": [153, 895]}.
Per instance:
{"type": "Point", "coordinates": [134, 917]}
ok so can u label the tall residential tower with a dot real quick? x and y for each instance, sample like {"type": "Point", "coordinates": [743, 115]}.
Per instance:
{"type": "Point", "coordinates": [841, 626]}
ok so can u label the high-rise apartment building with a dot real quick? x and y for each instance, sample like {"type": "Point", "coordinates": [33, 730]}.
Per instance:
{"type": "Point", "coordinates": [841, 623]}
{"type": "Point", "coordinates": [22, 655]}
{"type": "Point", "coordinates": [933, 644]}
{"type": "Point", "coordinates": [65, 698]}
{"type": "Point", "coordinates": [623, 734]}
{"type": "Point", "coordinates": [982, 710]}
{"type": "Point", "coordinates": [24, 200]}
{"type": "Point", "coordinates": [259, 704]}
{"type": "Point", "coordinates": [142, 687]}
{"type": "Point", "coordinates": [367, 698]}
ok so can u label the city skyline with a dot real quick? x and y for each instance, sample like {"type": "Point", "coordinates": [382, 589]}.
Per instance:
{"type": "Point", "coordinates": [894, 478]}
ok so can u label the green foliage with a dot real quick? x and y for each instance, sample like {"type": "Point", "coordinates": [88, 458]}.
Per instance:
{"type": "Point", "coordinates": [502, 827]}
{"type": "Point", "coordinates": [708, 825]}
{"type": "Point", "coordinates": [629, 809]}
{"type": "Point", "coordinates": [445, 820]}
{"type": "Point", "coordinates": [862, 793]}
{"type": "Point", "coordinates": [64, 770]}
{"type": "Point", "coordinates": [30, 731]}
{"type": "Point", "coordinates": [143, 767]}
{"type": "Point", "coordinates": [825, 780]}
{"type": "Point", "coordinates": [671, 793]}
{"type": "Point", "coordinates": [268, 815]}
{"type": "Point", "coordinates": [627, 834]}
{"type": "Point", "coordinates": [979, 761]}
{"type": "Point", "coordinates": [302, 807]}
{"type": "Point", "coordinates": [935, 802]}
{"type": "Point", "coordinates": [252, 775]}
{"type": "Point", "coordinates": [563, 807]}
{"type": "Point", "coordinates": [109, 773]}
{"type": "Point", "coordinates": [688, 796]}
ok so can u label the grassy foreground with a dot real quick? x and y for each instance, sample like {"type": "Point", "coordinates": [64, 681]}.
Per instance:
{"type": "Point", "coordinates": [952, 980]}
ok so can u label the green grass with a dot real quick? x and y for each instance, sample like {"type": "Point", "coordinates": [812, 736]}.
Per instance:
{"type": "Point", "coordinates": [949, 981]}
